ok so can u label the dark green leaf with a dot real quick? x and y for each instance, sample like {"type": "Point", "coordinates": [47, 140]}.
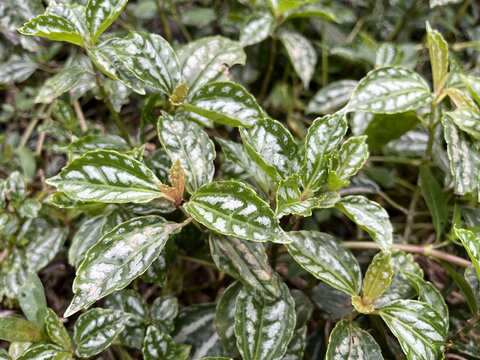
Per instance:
{"type": "Point", "coordinates": [32, 300]}
{"type": "Point", "coordinates": [56, 330]}
{"type": "Point", "coordinates": [59, 84]}
{"type": "Point", "coordinates": [435, 199]}
{"type": "Point", "coordinates": [157, 345]}
{"type": "Point", "coordinates": [224, 318]}
{"type": "Point", "coordinates": [16, 328]}
{"type": "Point", "coordinates": [438, 49]}
{"type": "Point", "coordinates": [164, 310]}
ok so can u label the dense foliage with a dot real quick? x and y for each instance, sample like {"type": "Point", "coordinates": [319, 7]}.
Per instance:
{"type": "Point", "coordinates": [250, 179]}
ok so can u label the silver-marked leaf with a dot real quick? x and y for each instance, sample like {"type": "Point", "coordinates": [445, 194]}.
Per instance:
{"type": "Point", "coordinates": [232, 208]}
{"type": "Point", "coordinates": [348, 342]}
{"type": "Point", "coordinates": [151, 58]}
{"type": "Point", "coordinates": [17, 69]}
{"type": "Point", "coordinates": [471, 243]}
{"type": "Point", "coordinates": [54, 28]}
{"type": "Point", "coordinates": [256, 28]}
{"type": "Point", "coordinates": [418, 327]}
{"type": "Point", "coordinates": [390, 90]}
{"type": "Point", "coordinates": [71, 12]}
{"type": "Point", "coordinates": [332, 97]}
{"type": "Point", "coordinates": [44, 352]}
{"type": "Point", "coordinates": [272, 147]}
{"type": "Point", "coordinates": [464, 158]}
{"type": "Point", "coordinates": [164, 310]}
{"type": "Point", "coordinates": [322, 137]}
{"type": "Point", "coordinates": [473, 86]}
{"type": "Point", "coordinates": [438, 49]}
{"type": "Point", "coordinates": [369, 216]}
{"type": "Point", "coordinates": [461, 98]}
{"type": "Point", "coordinates": [387, 54]}
{"type": "Point", "coordinates": [302, 54]}
{"type": "Point", "coordinates": [435, 3]}
{"type": "Point", "coordinates": [244, 260]}
{"type": "Point", "coordinates": [289, 199]}
{"type": "Point", "coordinates": [312, 10]}
{"type": "Point", "coordinates": [303, 308]}
{"type": "Point", "coordinates": [119, 257]}
{"type": "Point", "coordinates": [263, 328]}
{"type": "Point", "coordinates": [183, 139]}
{"type": "Point", "coordinates": [467, 119]}
{"type": "Point", "coordinates": [157, 344]}
{"type": "Point", "coordinates": [331, 300]}
{"type": "Point", "coordinates": [98, 142]}
{"type": "Point", "coordinates": [194, 326]}
{"type": "Point", "coordinates": [107, 176]}
{"type": "Point", "coordinates": [327, 259]}
{"type": "Point", "coordinates": [296, 347]}
{"type": "Point", "coordinates": [226, 103]}
{"type": "Point", "coordinates": [182, 352]}
{"type": "Point", "coordinates": [59, 84]}
{"type": "Point", "coordinates": [347, 161]}
{"type": "Point", "coordinates": [96, 329]}
{"type": "Point", "coordinates": [225, 317]}
{"type": "Point", "coordinates": [100, 14]}
{"type": "Point", "coordinates": [206, 60]}
{"type": "Point", "coordinates": [56, 330]}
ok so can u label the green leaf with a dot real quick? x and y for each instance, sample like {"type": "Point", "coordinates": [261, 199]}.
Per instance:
{"type": "Point", "coordinates": [54, 28]}
{"type": "Point", "coordinates": [107, 176]}
{"type": "Point", "coordinates": [202, 336]}
{"type": "Point", "coordinates": [303, 308]}
{"type": "Point", "coordinates": [157, 345]}
{"type": "Point", "coordinates": [435, 3]}
{"type": "Point", "coordinates": [4, 355]}
{"type": "Point", "coordinates": [119, 257]}
{"type": "Point", "coordinates": [332, 97]}
{"type": "Point", "coordinates": [331, 300]}
{"type": "Point", "coordinates": [256, 28]}
{"type": "Point", "coordinates": [387, 54]}
{"type": "Point", "coordinates": [464, 159]}
{"type": "Point", "coordinates": [272, 147]}
{"type": "Point", "coordinates": [289, 199]}
{"type": "Point", "coordinates": [96, 329]}
{"type": "Point", "coordinates": [59, 84]}
{"type": "Point", "coordinates": [151, 58]}
{"type": "Point", "coordinates": [263, 328]}
{"type": "Point", "coordinates": [390, 90]}
{"type": "Point", "coordinates": [312, 10]}
{"type": "Point", "coordinates": [369, 216]}
{"type": "Point", "coordinates": [438, 49]}
{"type": "Point", "coordinates": [473, 86]}
{"type": "Point", "coordinates": [327, 259]}
{"type": "Point", "coordinates": [231, 208]}
{"type": "Point", "coordinates": [16, 328]}
{"type": "Point", "coordinates": [348, 342]}
{"type": "Point", "coordinates": [347, 161]}
{"type": "Point", "coordinates": [183, 139]}
{"type": "Point", "coordinates": [44, 352]}
{"type": "Point", "coordinates": [71, 12]}
{"type": "Point", "coordinates": [226, 103]}
{"type": "Point", "coordinates": [245, 261]}
{"type": "Point", "coordinates": [296, 346]}
{"type": "Point", "coordinates": [56, 330]}
{"type": "Point", "coordinates": [471, 243]}
{"type": "Point", "coordinates": [301, 52]}
{"type": "Point", "coordinates": [467, 119]}
{"type": "Point", "coordinates": [202, 61]}
{"type": "Point", "coordinates": [32, 300]}
{"type": "Point", "coordinates": [17, 69]}
{"type": "Point", "coordinates": [225, 317]}
{"type": "Point", "coordinates": [278, 7]}
{"type": "Point", "coordinates": [322, 137]}
{"type": "Point", "coordinates": [164, 310]}
{"type": "Point", "coordinates": [464, 287]}
{"type": "Point", "coordinates": [100, 14]}
{"type": "Point", "coordinates": [98, 142]}
{"type": "Point", "coordinates": [435, 199]}
{"type": "Point", "coordinates": [418, 327]}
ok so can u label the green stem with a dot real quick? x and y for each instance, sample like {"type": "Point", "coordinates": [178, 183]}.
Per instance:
{"type": "Point", "coordinates": [465, 45]}
{"type": "Point", "coordinates": [270, 66]}
{"type": "Point", "coordinates": [163, 19]}
{"type": "Point", "coordinates": [431, 130]}
{"type": "Point", "coordinates": [178, 20]}
{"type": "Point", "coordinates": [31, 126]}
{"type": "Point", "coordinates": [324, 54]}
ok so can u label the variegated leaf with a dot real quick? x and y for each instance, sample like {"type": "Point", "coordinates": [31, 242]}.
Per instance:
{"type": "Point", "coordinates": [257, 28]}
{"type": "Point", "coordinates": [225, 317]}
{"type": "Point", "coordinates": [296, 347]}
{"type": "Point", "coordinates": [231, 208]}
{"type": "Point", "coordinates": [390, 90]}
{"type": "Point", "coordinates": [438, 49]}
{"type": "Point", "coordinates": [100, 14]}
{"type": "Point", "coordinates": [263, 328]}
{"type": "Point", "coordinates": [369, 216]}
{"type": "Point", "coordinates": [435, 3]}
{"type": "Point", "coordinates": [467, 119]}
{"type": "Point", "coordinates": [54, 28]}
{"type": "Point", "coordinates": [56, 330]}
{"type": "Point", "coordinates": [119, 257]}
{"type": "Point", "coordinates": [322, 137]}
{"type": "Point", "coordinates": [17, 69]}
{"type": "Point", "coordinates": [157, 345]}
{"type": "Point", "coordinates": [185, 140]}
{"type": "Point", "coordinates": [272, 147]}
{"type": "Point", "coordinates": [44, 351]}
{"type": "Point", "coordinates": [244, 260]}
{"type": "Point", "coordinates": [327, 259]}
{"type": "Point", "coordinates": [59, 84]}
{"type": "Point", "coordinates": [332, 97]}
{"type": "Point", "coordinates": [473, 86]}
{"type": "Point", "coordinates": [71, 12]}
{"type": "Point", "coordinates": [107, 176]}
{"type": "Point", "coordinates": [151, 58]}
{"type": "Point", "coordinates": [164, 310]}
{"type": "Point", "coordinates": [471, 243]}
{"type": "Point", "coordinates": [226, 103]}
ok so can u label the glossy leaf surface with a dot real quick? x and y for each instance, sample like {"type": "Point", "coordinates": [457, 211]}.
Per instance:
{"type": "Point", "coordinates": [467, 119]}
{"type": "Point", "coordinates": [435, 199]}
{"type": "Point", "coordinates": [256, 28]}
{"type": "Point", "coordinates": [332, 97]}
{"type": "Point", "coordinates": [100, 14]}
{"type": "Point", "coordinates": [56, 330]}
{"type": "Point", "coordinates": [438, 49]}
{"type": "Point", "coordinates": [157, 345]}
{"type": "Point", "coordinates": [52, 27]}
{"type": "Point", "coordinates": [225, 317]}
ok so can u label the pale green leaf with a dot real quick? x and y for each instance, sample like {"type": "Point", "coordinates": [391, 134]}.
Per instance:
{"type": "Point", "coordinates": [119, 257]}
{"type": "Point", "coordinates": [96, 329]}
{"type": "Point", "coordinates": [244, 260]}
{"type": "Point", "coordinates": [370, 216]}
{"type": "Point", "coordinates": [435, 3]}
{"type": "Point", "coordinates": [59, 84]}
{"type": "Point", "coordinates": [318, 9]}
{"type": "Point", "coordinates": [438, 49]}
{"type": "Point", "coordinates": [302, 54]}
{"type": "Point", "coordinates": [16, 328]}
{"type": "Point", "coordinates": [183, 139]}
{"type": "Point", "coordinates": [327, 259]}
{"type": "Point", "coordinates": [377, 278]}
{"type": "Point", "coordinates": [272, 147]}
{"type": "Point", "coordinates": [231, 208]}
{"type": "Point", "coordinates": [151, 58]}
{"type": "Point", "coordinates": [467, 119]}
{"type": "Point", "coordinates": [54, 28]}
{"type": "Point", "coordinates": [471, 243]}
{"type": "Point", "coordinates": [32, 300]}
{"type": "Point", "coordinates": [263, 328]}
{"type": "Point", "coordinates": [164, 310]}
{"type": "Point", "coordinates": [98, 142]}
{"type": "Point", "coordinates": [100, 14]}
{"type": "Point", "coordinates": [71, 12]}
{"type": "Point", "coordinates": [44, 352]}
{"type": "Point", "coordinates": [256, 28]}
{"type": "Point", "coordinates": [4, 355]}
{"type": "Point", "coordinates": [225, 317]}
{"type": "Point", "coordinates": [322, 137]}
{"type": "Point", "coordinates": [418, 327]}
{"type": "Point", "coordinates": [157, 344]}
{"type": "Point", "coordinates": [332, 97]}
{"type": "Point", "coordinates": [226, 103]}
{"type": "Point", "coordinates": [473, 86]}
{"type": "Point", "coordinates": [17, 69]}
{"type": "Point", "coordinates": [435, 199]}
{"type": "Point", "coordinates": [202, 61]}
{"type": "Point", "coordinates": [107, 176]}
{"type": "Point", "coordinates": [390, 90]}
{"type": "Point", "coordinates": [56, 330]}
{"type": "Point", "coordinates": [331, 300]}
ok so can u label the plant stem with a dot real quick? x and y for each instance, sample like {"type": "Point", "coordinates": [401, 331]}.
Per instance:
{"type": "Point", "coordinates": [431, 130]}
{"type": "Point", "coordinates": [179, 21]}
{"type": "Point", "coordinates": [30, 127]}
{"type": "Point", "coordinates": [324, 54]}
{"type": "Point", "coordinates": [163, 19]}
{"type": "Point", "coordinates": [41, 137]}
{"type": "Point", "coordinates": [393, 203]}
{"type": "Point", "coordinates": [415, 249]}
{"type": "Point", "coordinates": [411, 212]}
{"type": "Point", "coordinates": [81, 117]}
{"type": "Point", "coordinates": [271, 62]}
